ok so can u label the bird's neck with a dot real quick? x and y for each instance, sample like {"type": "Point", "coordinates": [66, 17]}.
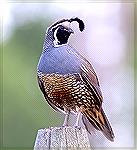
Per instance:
{"type": "Point", "coordinates": [48, 41]}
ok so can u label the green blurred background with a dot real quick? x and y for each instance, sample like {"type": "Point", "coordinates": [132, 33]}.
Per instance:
{"type": "Point", "coordinates": [23, 108]}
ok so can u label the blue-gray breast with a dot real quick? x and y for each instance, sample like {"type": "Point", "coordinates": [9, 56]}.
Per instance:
{"type": "Point", "coordinates": [68, 81]}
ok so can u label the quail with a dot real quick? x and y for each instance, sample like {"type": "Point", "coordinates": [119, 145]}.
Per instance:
{"type": "Point", "coordinates": [68, 80]}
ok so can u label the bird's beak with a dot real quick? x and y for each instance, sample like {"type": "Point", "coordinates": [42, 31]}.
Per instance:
{"type": "Point", "coordinates": [70, 30]}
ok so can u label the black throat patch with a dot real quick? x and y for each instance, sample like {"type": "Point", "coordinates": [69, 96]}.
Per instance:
{"type": "Point", "coordinates": [61, 35]}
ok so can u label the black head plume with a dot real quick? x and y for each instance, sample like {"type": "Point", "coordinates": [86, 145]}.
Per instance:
{"type": "Point", "coordinates": [59, 32]}
{"type": "Point", "coordinates": [81, 23]}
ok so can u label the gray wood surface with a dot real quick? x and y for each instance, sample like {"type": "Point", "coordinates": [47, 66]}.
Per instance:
{"type": "Point", "coordinates": [61, 138]}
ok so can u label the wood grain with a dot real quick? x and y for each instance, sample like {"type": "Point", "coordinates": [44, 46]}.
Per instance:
{"type": "Point", "coordinates": [61, 138]}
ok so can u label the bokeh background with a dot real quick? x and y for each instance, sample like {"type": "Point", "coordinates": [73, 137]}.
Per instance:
{"type": "Point", "coordinates": [107, 42]}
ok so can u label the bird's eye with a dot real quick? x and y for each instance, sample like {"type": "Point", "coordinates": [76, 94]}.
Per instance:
{"type": "Point", "coordinates": [65, 29]}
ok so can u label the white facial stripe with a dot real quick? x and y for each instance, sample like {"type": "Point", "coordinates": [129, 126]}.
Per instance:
{"type": "Point", "coordinates": [65, 24]}
{"type": "Point", "coordinates": [56, 39]}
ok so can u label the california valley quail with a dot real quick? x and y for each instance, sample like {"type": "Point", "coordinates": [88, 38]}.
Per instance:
{"type": "Point", "coordinates": [68, 81]}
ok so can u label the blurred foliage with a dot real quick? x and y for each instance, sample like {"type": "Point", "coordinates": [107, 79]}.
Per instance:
{"type": "Point", "coordinates": [135, 67]}
{"type": "Point", "coordinates": [24, 110]}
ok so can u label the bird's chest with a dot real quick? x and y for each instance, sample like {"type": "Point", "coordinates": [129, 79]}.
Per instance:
{"type": "Point", "coordinates": [59, 61]}
{"type": "Point", "coordinates": [64, 90]}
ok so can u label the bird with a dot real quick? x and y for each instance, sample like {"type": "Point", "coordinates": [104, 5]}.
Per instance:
{"type": "Point", "coordinates": [68, 81]}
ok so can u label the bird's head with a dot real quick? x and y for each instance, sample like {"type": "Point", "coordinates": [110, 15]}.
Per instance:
{"type": "Point", "coordinates": [61, 33]}
{"type": "Point", "coordinates": [61, 30]}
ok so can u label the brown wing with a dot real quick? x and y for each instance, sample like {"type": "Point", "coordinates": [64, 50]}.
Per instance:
{"type": "Point", "coordinates": [90, 78]}
{"type": "Point", "coordinates": [94, 116]}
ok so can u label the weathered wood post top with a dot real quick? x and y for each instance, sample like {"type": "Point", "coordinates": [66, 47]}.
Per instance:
{"type": "Point", "coordinates": [62, 138]}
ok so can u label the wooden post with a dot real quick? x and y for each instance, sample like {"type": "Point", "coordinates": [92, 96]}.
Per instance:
{"type": "Point", "coordinates": [61, 138]}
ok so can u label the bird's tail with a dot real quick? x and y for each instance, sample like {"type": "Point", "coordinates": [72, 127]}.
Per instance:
{"type": "Point", "coordinates": [99, 121]}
